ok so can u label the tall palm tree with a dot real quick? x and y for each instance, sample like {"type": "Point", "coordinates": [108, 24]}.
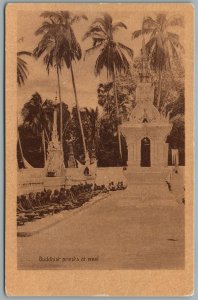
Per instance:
{"type": "Point", "coordinates": [22, 70]}
{"type": "Point", "coordinates": [37, 115]}
{"type": "Point", "coordinates": [93, 122]}
{"type": "Point", "coordinates": [112, 55]}
{"type": "Point", "coordinates": [163, 45]}
{"type": "Point", "coordinates": [52, 55]}
{"type": "Point", "coordinates": [105, 97]}
{"type": "Point", "coordinates": [61, 47]}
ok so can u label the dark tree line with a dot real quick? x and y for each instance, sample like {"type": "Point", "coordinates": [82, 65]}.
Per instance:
{"type": "Point", "coordinates": [90, 132]}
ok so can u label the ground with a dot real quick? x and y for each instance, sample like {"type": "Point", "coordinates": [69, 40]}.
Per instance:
{"type": "Point", "coordinates": [139, 228]}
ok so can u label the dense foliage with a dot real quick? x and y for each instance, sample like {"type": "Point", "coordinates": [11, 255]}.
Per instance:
{"type": "Point", "coordinates": [96, 130]}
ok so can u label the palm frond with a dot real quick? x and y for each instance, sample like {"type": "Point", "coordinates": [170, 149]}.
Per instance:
{"type": "Point", "coordinates": [121, 62]}
{"type": "Point", "coordinates": [140, 32]}
{"type": "Point", "coordinates": [95, 30]}
{"type": "Point", "coordinates": [24, 53]}
{"type": "Point", "coordinates": [127, 49]}
{"type": "Point", "coordinates": [161, 19]}
{"type": "Point", "coordinates": [20, 79]}
{"type": "Point", "coordinates": [46, 28]}
{"type": "Point", "coordinates": [21, 74]}
{"type": "Point", "coordinates": [174, 38]}
{"type": "Point", "coordinates": [22, 70]}
{"type": "Point", "coordinates": [101, 61]}
{"type": "Point", "coordinates": [150, 44]}
{"type": "Point", "coordinates": [111, 53]}
{"type": "Point", "coordinates": [35, 115]}
{"type": "Point", "coordinates": [55, 15]}
{"type": "Point", "coordinates": [92, 49]}
{"type": "Point", "coordinates": [94, 33]}
{"type": "Point", "coordinates": [149, 23]}
{"type": "Point", "coordinates": [117, 26]}
{"type": "Point", "coordinates": [58, 41]}
{"type": "Point", "coordinates": [99, 22]}
{"type": "Point", "coordinates": [173, 50]}
{"type": "Point", "coordinates": [136, 33]}
{"type": "Point", "coordinates": [108, 20]}
{"type": "Point", "coordinates": [76, 52]}
{"type": "Point", "coordinates": [78, 18]}
{"type": "Point", "coordinates": [175, 21]}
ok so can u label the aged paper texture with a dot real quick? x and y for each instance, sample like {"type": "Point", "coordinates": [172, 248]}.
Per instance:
{"type": "Point", "coordinates": [99, 149]}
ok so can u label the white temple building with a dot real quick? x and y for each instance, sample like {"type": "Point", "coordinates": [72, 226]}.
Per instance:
{"type": "Point", "coordinates": [146, 129]}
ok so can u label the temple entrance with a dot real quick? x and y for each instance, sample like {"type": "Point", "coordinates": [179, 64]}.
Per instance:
{"type": "Point", "coordinates": [145, 152]}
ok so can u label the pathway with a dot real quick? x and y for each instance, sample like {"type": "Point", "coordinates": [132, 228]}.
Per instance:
{"type": "Point", "coordinates": [139, 228]}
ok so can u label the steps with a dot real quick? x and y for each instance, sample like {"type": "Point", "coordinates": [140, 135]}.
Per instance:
{"type": "Point", "coordinates": [148, 187]}
{"type": "Point", "coordinates": [145, 195]}
{"type": "Point", "coordinates": [146, 176]}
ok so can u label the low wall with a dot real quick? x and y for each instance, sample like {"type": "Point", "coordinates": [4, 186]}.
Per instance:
{"type": "Point", "coordinates": [30, 180]}
{"type": "Point", "coordinates": [34, 180]}
{"type": "Point", "coordinates": [107, 175]}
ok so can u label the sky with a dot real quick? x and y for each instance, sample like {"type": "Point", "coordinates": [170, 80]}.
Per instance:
{"type": "Point", "coordinates": [86, 82]}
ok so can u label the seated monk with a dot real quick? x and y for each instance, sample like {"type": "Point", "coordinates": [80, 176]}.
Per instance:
{"type": "Point", "coordinates": [55, 197]}
{"type": "Point", "coordinates": [27, 208]}
{"type": "Point", "coordinates": [112, 186]}
{"type": "Point", "coordinates": [20, 207]}
{"type": "Point", "coordinates": [48, 197]}
{"type": "Point", "coordinates": [26, 202]}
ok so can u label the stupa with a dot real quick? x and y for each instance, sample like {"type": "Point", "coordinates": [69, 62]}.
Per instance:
{"type": "Point", "coordinates": [55, 159]}
{"type": "Point", "coordinates": [55, 167]}
{"type": "Point", "coordinates": [146, 129]}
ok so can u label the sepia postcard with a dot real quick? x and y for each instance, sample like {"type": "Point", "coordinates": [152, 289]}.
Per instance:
{"type": "Point", "coordinates": [99, 149]}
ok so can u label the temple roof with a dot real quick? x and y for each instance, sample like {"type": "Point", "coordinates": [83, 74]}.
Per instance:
{"type": "Point", "coordinates": [145, 112]}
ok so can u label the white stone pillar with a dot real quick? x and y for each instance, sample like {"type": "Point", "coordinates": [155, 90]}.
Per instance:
{"type": "Point", "coordinates": [138, 152]}
{"type": "Point", "coordinates": [161, 153]}
{"type": "Point", "coordinates": [130, 153]}
{"type": "Point", "coordinates": [152, 152]}
{"type": "Point", "coordinates": [156, 145]}
{"type": "Point", "coordinates": [166, 146]}
{"type": "Point", "coordinates": [133, 153]}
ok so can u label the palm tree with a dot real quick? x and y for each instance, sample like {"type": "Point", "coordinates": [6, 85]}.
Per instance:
{"type": "Point", "coordinates": [112, 54]}
{"type": "Point", "coordinates": [37, 116]}
{"type": "Point", "coordinates": [61, 47]}
{"type": "Point", "coordinates": [93, 122]}
{"type": "Point", "coordinates": [52, 56]}
{"type": "Point", "coordinates": [163, 45]}
{"type": "Point", "coordinates": [105, 97]}
{"type": "Point", "coordinates": [22, 71]}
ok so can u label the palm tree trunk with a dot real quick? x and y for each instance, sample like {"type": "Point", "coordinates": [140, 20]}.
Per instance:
{"type": "Point", "coordinates": [61, 109]}
{"type": "Point", "coordinates": [78, 110]}
{"type": "Point", "coordinates": [108, 104]}
{"type": "Point", "coordinates": [159, 88]}
{"type": "Point", "coordinates": [20, 147]}
{"type": "Point", "coordinates": [44, 148]}
{"type": "Point", "coordinates": [46, 135]}
{"type": "Point", "coordinates": [117, 110]}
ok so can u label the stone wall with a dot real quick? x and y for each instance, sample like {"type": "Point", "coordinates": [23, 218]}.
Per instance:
{"type": "Point", "coordinates": [34, 180]}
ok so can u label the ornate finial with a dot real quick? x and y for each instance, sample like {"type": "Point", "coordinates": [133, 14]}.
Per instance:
{"type": "Point", "coordinates": [144, 75]}
{"type": "Point", "coordinates": [145, 116]}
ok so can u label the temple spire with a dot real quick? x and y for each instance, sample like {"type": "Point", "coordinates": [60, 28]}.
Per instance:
{"type": "Point", "coordinates": [55, 159]}
{"type": "Point", "coordinates": [145, 70]}
{"type": "Point", "coordinates": [144, 58]}
{"type": "Point", "coordinates": [54, 130]}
